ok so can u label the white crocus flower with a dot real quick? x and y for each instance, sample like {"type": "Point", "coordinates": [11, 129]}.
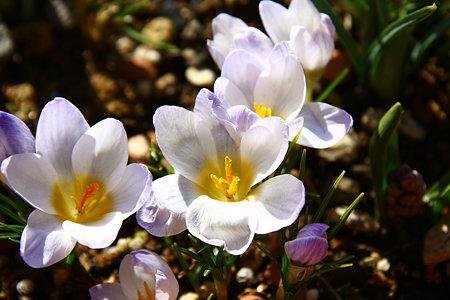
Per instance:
{"type": "Point", "coordinates": [309, 32]}
{"type": "Point", "coordinates": [78, 181]}
{"type": "Point", "coordinates": [275, 86]}
{"type": "Point", "coordinates": [143, 276]}
{"type": "Point", "coordinates": [211, 195]}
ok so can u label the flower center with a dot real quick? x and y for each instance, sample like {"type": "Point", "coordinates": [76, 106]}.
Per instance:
{"type": "Point", "coordinates": [228, 185]}
{"type": "Point", "coordinates": [149, 294]}
{"type": "Point", "coordinates": [261, 110]}
{"type": "Point", "coordinates": [83, 200]}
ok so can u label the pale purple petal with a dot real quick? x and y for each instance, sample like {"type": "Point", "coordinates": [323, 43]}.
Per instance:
{"type": "Point", "coordinates": [327, 25]}
{"type": "Point", "coordinates": [276, 20]}
{"type": "Point", "coordinates": [96, 235]}
{"type": "Point", "coordinates": [107, 291]}
{"type": "Point", "coordinates": [15, 136]}
{"type": "Point", "coordinates": [255, 151]}
{"type": "Point", "coordinates": [218, 223]}
{"type": "Point", "coordinates": [60, 126]}
{"type": "Point", "coordinates": [282, 87]}
{"type": "Point", "coordinates": [224, 28]}
{"type": "Point", "coordinates": [165, 214]}
{"type": "Point", "coordinates": [44, 241]}
{"type": "Point", "coordinates": [226, 90]}
{"type": "Point", "coordinates": [133, 190]}
{"type": "Point", "coordinates": [310, 246]}
{"type": "Point", "coordinates": [324, 126]}
{"type": "Point", "coordinates": [305, 13]}
{"type": "Point", "coordinates": [277, 202]}
{"type": "Point", "coordinates": [254, 41]}
{"type": "Point", "coordinates": [102, 152]}
{"type": "Point", "coordinates": [294, 127]}
{"type": "Point", "coordinates": [33, 177]}
{"type": "Point", "coordinates": [243, 69]}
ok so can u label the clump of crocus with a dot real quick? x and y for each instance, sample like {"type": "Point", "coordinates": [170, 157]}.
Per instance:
{"type": "Point", "coordinates": [78, 182]}
{"type": "Point", "coordinates": [310, 246]}
{"type": "Point", "coordinates": [217, 162]}
{"type": "Point", "coordinates": [15, 136]}
{"type": "Point", "coordinates": [405, 192]}
{"type": "Point", "coordinates": [143, 276]}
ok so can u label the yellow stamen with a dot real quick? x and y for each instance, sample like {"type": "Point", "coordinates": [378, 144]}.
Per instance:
{"type": "Point", "coordinates": [262, 111]}
{"type": "Point", "coordinates": [228, 185]}
{"type": "Point", "coordinates": [84, 198]}
{"type": "Point", "coordinates": [148, 291]}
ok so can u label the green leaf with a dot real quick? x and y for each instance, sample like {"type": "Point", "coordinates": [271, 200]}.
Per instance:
{"type": "Point", "coordinates": [345, 38]}
{"type": "Point", "coordinates": [327, 198]}
{"type": "Point", "coordinates": [344, 216]}
{"type": "Point", "coordinates": [379, 149]}
{"type": "Point", "coordinates": [438, 195]}
{"type": "Point", "coordinates": [133, 33]}
{"type": "Point", "coordinates": [326, 92]}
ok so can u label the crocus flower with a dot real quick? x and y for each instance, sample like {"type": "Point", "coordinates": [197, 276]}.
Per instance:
{"type": "Point", "coordinates": [211, 195]}
{"type": "Point", "coordinates": [78, 181]}
{"type": "Point", "coordinates": [15, 136]}
{"type": "Point", "coordinates": [275, 86]}
{"type": "Point", "coordinates": [143, 275]}
{"type": "Point", "coordinates": [310, 246]}
{"type": "Point", "coordinates": [309, 32]}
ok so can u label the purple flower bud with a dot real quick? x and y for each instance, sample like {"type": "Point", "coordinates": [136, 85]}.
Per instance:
{"type": "Point", "coordinates": [15, 137]}
{"type": "Point", "coordinates": [310, 246]}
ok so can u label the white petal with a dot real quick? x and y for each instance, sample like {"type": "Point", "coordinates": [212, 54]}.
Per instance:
{"type": "Point", "coordinates": [165, 214]}
{"type": "Point", "coordinates": [107, 291]}
{"type": "Point", "coordinates": [15, 136]}
{"type": "Point", "coordinates": [204, 103]}
{"type": "Point", "coordinates": [224, 28]}
{"type": "Point", "coordinates": [276, 20]}
{"type": "Point", "coordinates": [277, 202]}
{"type": "Point", "coordinates": [264, 146]}
{"type": "Point", "coordinates": [324, 126]}
{"type": "Point", "coordinates": [254, 41]}
{"type": "Point", "coordinates": [60, 126]}
{"type": "Point", "coordinates": [217, 223]}
{"type": "Point", "coordinates": [294, 127]}
{"type": "Point", "coordinates": [44, 242]}
{"type": "Point", "coordinates": [243, 69]}
{"type": "Point", "coordinates": [133, 190]}
{"type": "Point", "coordinates": [98, 234]}
{"type": "Point", "coordinates": [282, 87]}
{"type": "Point", "coordinates": [102, 152]}
{"type": "Point", "coordinates": [228, 91]}
{"type": "Point", "coordinates": [32, 177]}
{"type": "Point", "coordinates": [190, 143]}
{"type": "Point", "coordinates": [305, 13]}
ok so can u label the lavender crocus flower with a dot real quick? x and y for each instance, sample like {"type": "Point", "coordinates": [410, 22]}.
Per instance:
{"type": "Point", "coordinates": [15, 137]}
{"type": "Point", "coordinates": [310, 246]}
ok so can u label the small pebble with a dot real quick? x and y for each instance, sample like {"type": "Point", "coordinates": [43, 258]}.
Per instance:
{"type": "Point", "coordinates": [125, 45]}
{"type": "Point", "coordinates": [138, 147]}
{"type": "Point", "coordinates": [144, 53]}
{"type": "Point", "coordinates": [383, 265]}
{"type": "Point", "coordinates": [200, 77]}
{"type": "Point", "coordinates": [346, 150]}
{"type": "Point", "coordinates": [26, 287]}
{"type": "Point", "coordinates": [312, 294]}
{"type": "Point", "coordinates": [160, 29]}
{"type": "Point", "coordinates": [189, 296]}
{"type": "Point", "coordinates": [245, 275]}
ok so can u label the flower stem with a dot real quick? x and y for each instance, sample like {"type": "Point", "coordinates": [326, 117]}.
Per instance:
{"type": "Point", "coordinates": [221, 289]}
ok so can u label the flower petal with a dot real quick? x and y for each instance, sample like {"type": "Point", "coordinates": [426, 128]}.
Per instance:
{"type": "Point", "coordinates": [277, 202]}
{"type": "Point", "coordinates": [44, 241]}
{"type": "Point", "coordinates": [224, 28]}
{"type": "Point", "coordinates": [276, 20]}
{"type": "Point", "coordinates": [32, 177]}
{"type": "Point", "coordinates": [264, 146]}
{"type": "Point", "coordinates": [15, 136]}
{"type": "Point", "coordinates": [242, 68]}
{"type": "Point", "coordinates": [133, 190]}
{"type": "Point", "coordinates": [282, 87]}
{"type": "Point", "coordinates": [165, 214]}
{"type": "Point", "coordinates": [217, 223]}
{"type": "Point", "coordinates": [107, 291]}
{"type": "Point", "coordinates": [324, 126]}
{"type": "Point", "coordinates": [98, 234]}
{"type": "Point", "coordinates": [60, 126]}
{"type": "Point", "coordinates": [228, 91]}
{"type": "Point", "coordinates": [102, 152]}
{"type": "Point", "coordinates": [305, 13]}
{"type": "Point", "coordinates": [254, 41]}
{"type": "Point", "coordinates": [294, 127]}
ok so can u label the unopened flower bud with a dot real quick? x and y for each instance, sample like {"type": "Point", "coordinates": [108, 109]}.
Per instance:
{"type": "Point", "coordinates": [310, 246]}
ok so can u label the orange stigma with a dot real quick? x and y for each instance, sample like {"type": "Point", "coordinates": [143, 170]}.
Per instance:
{"type": "Point", "coordinates": [83, 198]}
{"type": "Point", "coordinates": [149, 294]}
{"type": "Point", "coordinates": [228, 185]}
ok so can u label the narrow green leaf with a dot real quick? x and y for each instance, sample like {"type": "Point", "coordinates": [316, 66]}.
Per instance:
{"type": "Point", "coordinates": [327, 198]}
{"type": "Point", "coordinates": [326, 92]}
{"type": "Point", "coordinates": [344, 217]}
{"type": "Point", "coordinates": [302, 168]}
{"type": "Point", "coordinates": [397, 28]}
{"type": "Point", "coordinates": [345, 38]}
{"type": "Point", "coordinates": [378, 151]}
{"type": "Point", "coordinates": [11, 214]}
{"type": "Point", "coordinates": [438, 195]}
{"type": "Point", "coordinates": [330, 288]}
{"type": "Point", "coordinates": [184, 264]}
{"type": "Point", "coordinates": [133, 33]}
